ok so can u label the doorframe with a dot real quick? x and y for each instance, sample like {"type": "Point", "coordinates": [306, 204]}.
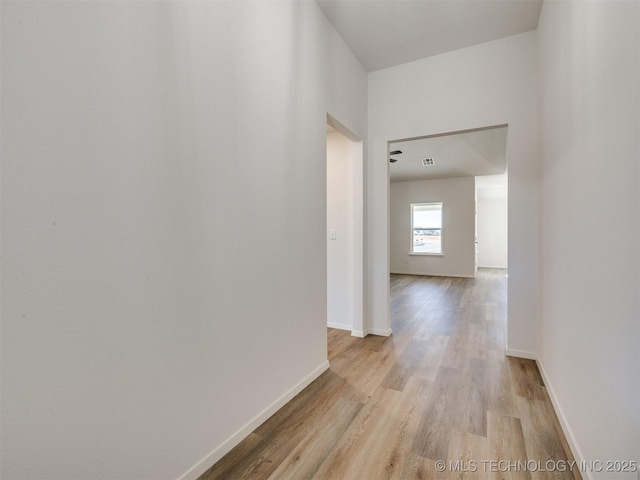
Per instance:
{"type": "Point", "coordinates": [358, 327]}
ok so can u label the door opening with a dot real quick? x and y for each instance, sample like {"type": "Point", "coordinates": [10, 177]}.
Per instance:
{"type": "Point", "coordinates": [345, 229]}
{"type": "Point", "coordinates": [464, 172]}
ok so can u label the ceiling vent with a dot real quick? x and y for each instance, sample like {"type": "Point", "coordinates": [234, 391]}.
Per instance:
{"type": "Point", "coordinates": [426, 162]}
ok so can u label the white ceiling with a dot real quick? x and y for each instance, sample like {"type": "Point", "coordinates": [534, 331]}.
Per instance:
{"type": "Point", "coordinates": [473, 153]}
{"type": "Point", "coordinates": [384, 33]}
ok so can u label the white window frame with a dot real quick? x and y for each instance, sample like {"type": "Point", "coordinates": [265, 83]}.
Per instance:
{"type": "Point", "coordinates": [411, 245]}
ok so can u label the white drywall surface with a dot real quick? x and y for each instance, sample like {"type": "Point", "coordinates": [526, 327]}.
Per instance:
{"type": "Point", "coordinates": [161, 162]}
{"type": "Point", "coordinates": [590, 329]}
{"type": "Point", "coordinates": [458, 247]}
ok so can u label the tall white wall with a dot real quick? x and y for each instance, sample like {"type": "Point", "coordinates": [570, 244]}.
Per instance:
{"type": "Point", "coordinates": [160, 162]}
{"type": "Point", "coordinates": [458, 226]}
{"type": "Point", "coordinates": [489, 84]}
{"type": "Point", "coordinates": [492, 221]}
{"type": "Point", "coordinates": [590, 220]}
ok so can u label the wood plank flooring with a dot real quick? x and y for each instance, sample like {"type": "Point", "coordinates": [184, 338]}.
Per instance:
{"type": "Point", "coordinates": [439, 389]}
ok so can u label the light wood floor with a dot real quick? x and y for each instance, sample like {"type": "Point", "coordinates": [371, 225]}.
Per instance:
{"type": "Point", "coordinates": [440, 388]}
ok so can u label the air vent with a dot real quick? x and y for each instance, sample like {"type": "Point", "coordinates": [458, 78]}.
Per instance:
{"type": "Point", "coordinates": [426, 162]}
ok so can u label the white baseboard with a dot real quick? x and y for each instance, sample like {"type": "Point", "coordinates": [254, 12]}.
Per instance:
{"type": "Point", "coordinates": [432, 274]}
{"type": "Point", "coordinates": [510, 352]}
{"type": "Point", "coordinates": [568, 433]}
{"type": "Point", "coordinates": [345, 326]}
{"type": "Point", "coordinates": [383, 332]}
{"type": "Point", "coordinates": [369, 331]}
{"type": "Point", "coordinates": [339, 326]}
{"type": "Point", "coordinates": [203, 465]}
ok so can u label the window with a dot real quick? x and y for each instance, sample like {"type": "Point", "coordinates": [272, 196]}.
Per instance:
{"type": "Point", "coordinates": [426, 228]}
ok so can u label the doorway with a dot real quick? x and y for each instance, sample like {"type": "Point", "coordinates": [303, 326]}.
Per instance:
{"type": "Point", "coordinates": [464, 174]}
{"type": "Point", "coordinates": [345, 229]}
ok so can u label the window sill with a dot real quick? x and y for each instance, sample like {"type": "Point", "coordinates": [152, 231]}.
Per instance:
{"type": "Point", "coordinates": [425, 254]}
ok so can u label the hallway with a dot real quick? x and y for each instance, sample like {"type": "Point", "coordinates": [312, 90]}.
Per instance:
{"type": "Point", "coordinates": [439, 388]}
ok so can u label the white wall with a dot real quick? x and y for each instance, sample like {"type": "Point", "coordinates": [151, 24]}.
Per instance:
{"type": "Point", "coordinates": [160, 161]}
{"type": "Point", "coordinates": [458, 227]}
{"type": "Point", "coordinates": [492, 217]}
{"type": "Point", "coordinates": [590, 214]}
{"type": "Point", "coordinates": [490, 84]}
{"type": "Point", "coordinates": [344, 217]}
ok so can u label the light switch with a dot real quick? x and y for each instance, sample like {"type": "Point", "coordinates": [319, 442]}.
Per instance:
{"type": "Point", "coordinates": [332, 234]}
